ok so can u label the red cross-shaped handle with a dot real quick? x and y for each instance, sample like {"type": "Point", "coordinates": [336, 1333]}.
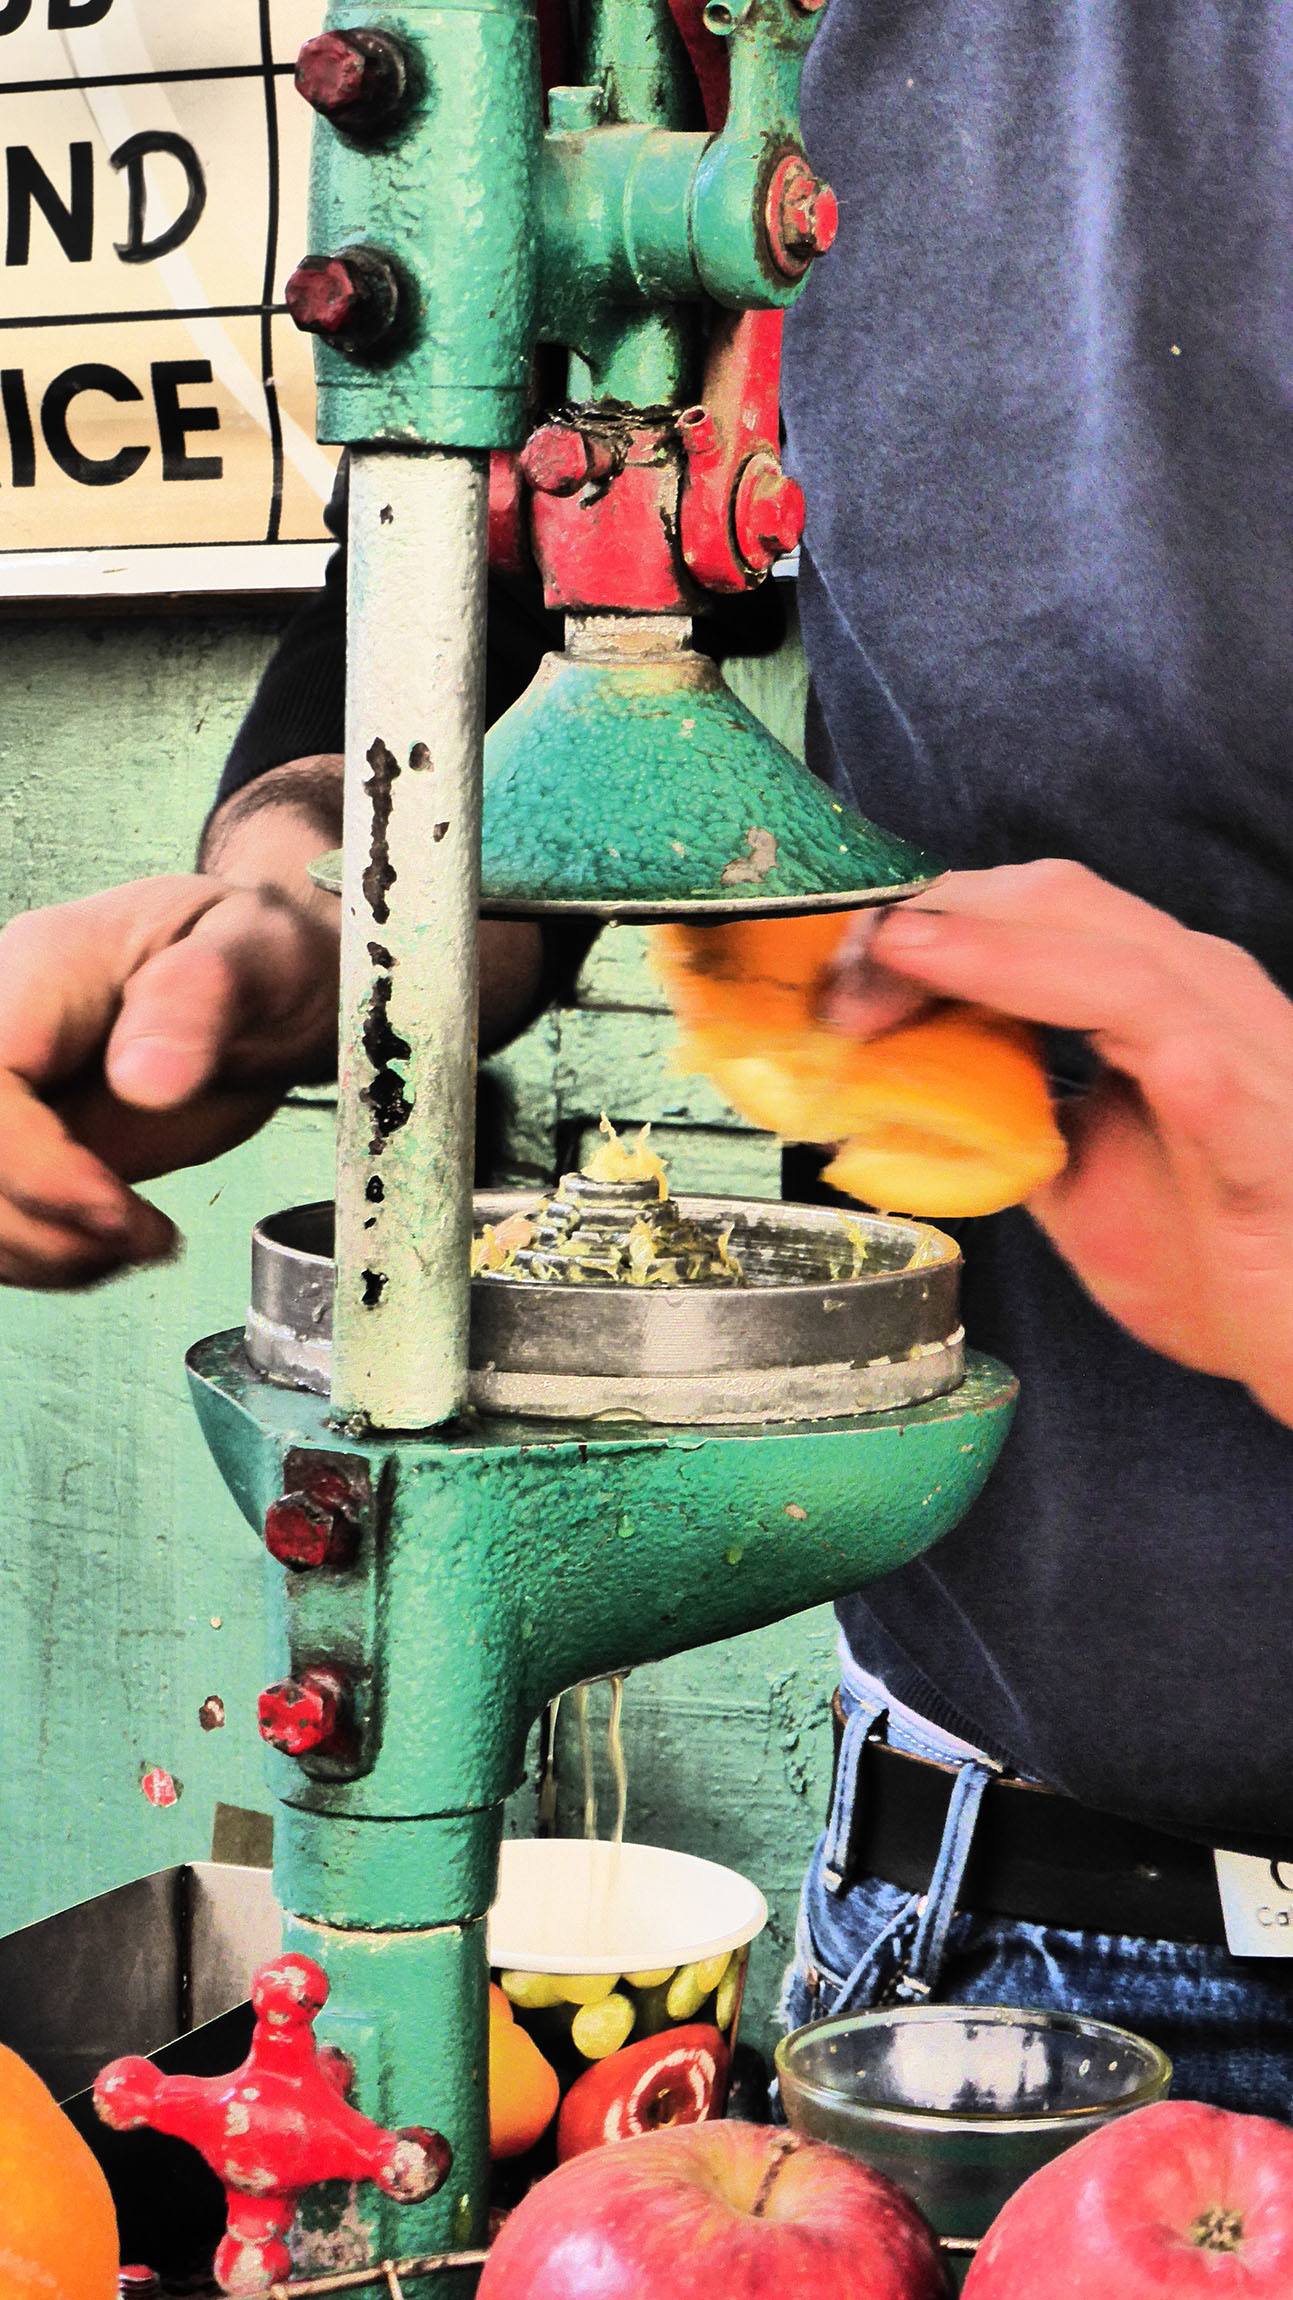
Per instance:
{"type": "Point", "coordinates": [275, 2127]}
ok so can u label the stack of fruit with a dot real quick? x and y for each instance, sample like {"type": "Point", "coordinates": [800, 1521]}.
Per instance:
{"type": "Point", "coordinates": [620, 2054]}
{"type": "Point", "coordinates": [1174, 2202]}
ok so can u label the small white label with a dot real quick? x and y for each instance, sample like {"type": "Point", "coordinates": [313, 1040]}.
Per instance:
{"type": "Point", "coordinates": [1256, 1904]}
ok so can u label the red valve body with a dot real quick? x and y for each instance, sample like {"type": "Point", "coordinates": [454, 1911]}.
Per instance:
{"type": "Point", "coordinates": [274, 2127]}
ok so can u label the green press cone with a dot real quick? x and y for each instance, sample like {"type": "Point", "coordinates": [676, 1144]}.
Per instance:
{"type": "Point", "coordinates": [636, 785]}
{"type": "Point", "coordinates": [630, 782]}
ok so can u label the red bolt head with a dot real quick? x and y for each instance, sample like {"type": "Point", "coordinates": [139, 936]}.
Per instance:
{"type": "Point", "coordinates": [330, 73]}
{"type": "Point", "coordinates": [418, 2164]}
{"type": "Point", "coordinates": [558, 460]}
{"type": "Point", "coordinates": [323, 295]}
{"type": "Point", "coordinates": [302, 1714]}
{"type": "Point", "coordinates": [768, 514]}
{"type": "Point", "coordinates": [802, 215]}
{"type": "Point", "coordinates": [352, 299]}
{"type": "Point", "coordinates": [357, 79]}
{"type": "Point", "coordinates": [309, 1530]}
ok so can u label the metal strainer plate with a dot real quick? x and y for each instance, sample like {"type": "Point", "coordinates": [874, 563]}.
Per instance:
{"type": "Point", "coordinates": [815, 1331]}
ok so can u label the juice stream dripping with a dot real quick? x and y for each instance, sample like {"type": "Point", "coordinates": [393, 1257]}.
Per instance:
{"type": "Point", "coordinates": [546, 1814]}
{"type": "Point", "coordinates": [615, 1757]}
{"type": "Point", "coordinates": [580, 1700]}
{"type": "Point", "coordinates": [546, 1818]}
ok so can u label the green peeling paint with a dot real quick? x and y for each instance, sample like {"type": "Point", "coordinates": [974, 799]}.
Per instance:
{"type": "Point", "coordinates": [450, 196]}
{"type": "Point", "coordinates": [123, 1551]}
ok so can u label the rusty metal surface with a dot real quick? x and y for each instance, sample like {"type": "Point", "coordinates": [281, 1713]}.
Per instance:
{"type": "Point", "coordinates": [406, 1100]}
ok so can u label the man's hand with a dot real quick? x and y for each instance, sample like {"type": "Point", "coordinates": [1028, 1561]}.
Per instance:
{"type": "Point", "coordinates": [1176, 1208]}
{"type": "Point", "coordinates": [146, 1028]}
{"type": "Point", "coordinates": [158, 1024]}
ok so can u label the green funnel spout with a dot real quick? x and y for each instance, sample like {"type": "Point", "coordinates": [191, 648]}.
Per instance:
{"type": "Point", "coordinates": [495, 1564]}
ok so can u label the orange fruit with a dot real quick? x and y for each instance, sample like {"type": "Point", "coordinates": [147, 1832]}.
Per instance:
{"type": "Point", "coordinates": [750, 969]}
{"type": "Point", "coordinates": [956, 1119]}
{"type": "Point", "coordinates": [523, 2088]}
{"type": "Point", "coordinates": [945, 1116]}
{"type": "Point", "coordinates": [58, 2228]}
{"type": "Point", "coordinates": [500, 2007]}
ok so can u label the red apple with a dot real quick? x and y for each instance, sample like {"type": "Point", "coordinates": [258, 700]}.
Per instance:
{"type": "Point", "coordinates": [1173, 2202]}
{"type": "Point", "coordinates": [715, 2212]}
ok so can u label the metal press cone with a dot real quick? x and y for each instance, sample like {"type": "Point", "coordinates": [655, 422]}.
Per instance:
{"type": "Point", "coordinates": [630, 782]}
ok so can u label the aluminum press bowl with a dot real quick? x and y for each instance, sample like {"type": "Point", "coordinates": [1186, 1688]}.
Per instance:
{"type": "Point", "coordinates": [797, 1341]}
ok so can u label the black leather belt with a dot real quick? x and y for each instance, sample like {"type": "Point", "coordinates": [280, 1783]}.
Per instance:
{"type": "Point", "coordinates": [1036, 1855]}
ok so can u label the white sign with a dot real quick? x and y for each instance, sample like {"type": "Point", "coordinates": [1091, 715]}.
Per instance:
{"type": "Point", "coordinates": [1256, 1904]}
{"type": "Point", "coordinates": [156, 403]}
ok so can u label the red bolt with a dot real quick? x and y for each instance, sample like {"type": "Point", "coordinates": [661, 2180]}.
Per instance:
{"type": "Point", "coordinates": [358, 79]}
{"type": "Point", "coordinates": [309, 1530]}
{"type": "Point", "coordinates": [558, 460]}
{"type": "Point", "coordinates": [351, 298]}
{"type": "Point", "coordinates": [302, 1715]}
{"type": "Point", "coordinates": [768, 513]}
{"type": "Point", "coordinates": [803, 216]}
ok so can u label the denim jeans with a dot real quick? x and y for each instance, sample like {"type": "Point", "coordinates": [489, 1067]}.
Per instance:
{"type": "Point", "coordinates": [1226, 2023]}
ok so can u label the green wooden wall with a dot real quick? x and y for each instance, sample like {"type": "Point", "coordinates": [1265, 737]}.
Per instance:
{"type": "Point", "coordinates": [129, 1587]}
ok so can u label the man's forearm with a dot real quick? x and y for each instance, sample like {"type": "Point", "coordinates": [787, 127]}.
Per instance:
{"type": "Point", "coordinates": [269, 832]}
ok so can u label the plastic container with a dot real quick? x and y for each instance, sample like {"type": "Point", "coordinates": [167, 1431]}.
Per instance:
{"type": "Point", "coordinates": [960, 2104]}
{"type": "Point", "coordinates": [626, 1966]}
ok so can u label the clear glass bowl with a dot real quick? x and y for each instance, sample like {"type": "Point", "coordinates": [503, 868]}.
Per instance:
{"type": "Point", "coordinates": [960, 2104]}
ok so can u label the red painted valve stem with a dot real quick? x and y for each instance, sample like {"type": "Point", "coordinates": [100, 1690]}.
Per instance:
{"type": "Point", "coordinates": [357, 79]}
{"type": "Point", "coordinates": [559, 460]}
{"type": "Point", "coordinates": [275, 2127]}
{"type": "Point", "coordinates": [304, 1716]}
{"type": "Point", "coordinates": [352, 298]}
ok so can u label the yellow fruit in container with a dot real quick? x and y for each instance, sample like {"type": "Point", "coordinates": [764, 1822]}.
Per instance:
{"type": "Point", "coordinates": [58, 2226]}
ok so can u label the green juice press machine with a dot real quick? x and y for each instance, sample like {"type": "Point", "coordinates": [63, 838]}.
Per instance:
{"type": "Point", "coordinates": [548, 324]}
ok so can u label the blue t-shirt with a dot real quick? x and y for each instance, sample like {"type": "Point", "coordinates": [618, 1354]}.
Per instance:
{"type": "Point", "coordinates": [1040, 400]}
